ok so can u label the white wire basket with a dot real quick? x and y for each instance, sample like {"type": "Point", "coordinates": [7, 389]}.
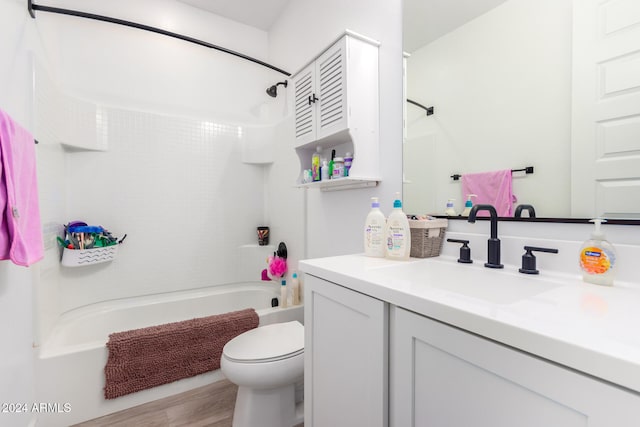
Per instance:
{"type": "Point", "coordinates": [82, 257]}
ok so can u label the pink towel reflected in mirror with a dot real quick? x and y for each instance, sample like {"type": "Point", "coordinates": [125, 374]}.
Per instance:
{"type": "Point", "coordinates": [493, 188]}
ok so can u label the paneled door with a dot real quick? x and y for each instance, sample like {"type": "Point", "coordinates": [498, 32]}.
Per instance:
{"type": "Point", "coordinates": [606, 109]}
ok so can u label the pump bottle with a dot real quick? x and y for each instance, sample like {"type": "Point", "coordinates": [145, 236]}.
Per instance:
{"type": "Point", "coordinates": [598, 258]}
{"type": "Point", "coordinates": [398, 233]}
{"type": "Point", "coordinates": [468, 205]}
{"type": "Point", "coordinates": [450, 210]}
{"type": "Point", "coordinates": [374, 229]}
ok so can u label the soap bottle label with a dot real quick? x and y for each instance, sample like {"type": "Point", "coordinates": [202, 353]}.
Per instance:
{"type": "Point", "coordinates": [374, 234]}
{"type": "Point", "coordinates": [594, 260]}
{"type": "Point", "coordinates": [396, 238]}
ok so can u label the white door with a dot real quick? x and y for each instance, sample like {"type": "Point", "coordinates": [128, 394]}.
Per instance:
{"type": "Point", "coordinates": [305, 117]}
{"type": "Point", "coordinates": [441, 376]}
{"type": "Point", "coordinates": [345, 357]}
{"type": "Point", "coordinates": [606, 109]}
{"type": "Point", "coordinates": [331, 70]}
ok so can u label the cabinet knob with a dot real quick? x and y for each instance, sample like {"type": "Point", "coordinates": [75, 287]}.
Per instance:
{"type": "Point", "coordinates": [312, 98]}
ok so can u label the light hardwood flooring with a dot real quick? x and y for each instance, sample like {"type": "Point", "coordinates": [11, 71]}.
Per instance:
{"type": "Point", "coordinates": [210, 406]}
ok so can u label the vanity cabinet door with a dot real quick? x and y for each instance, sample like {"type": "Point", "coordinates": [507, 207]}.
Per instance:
{"type": "Point", "coordinates": [443, 376]}
{"type": "Point", "coordinates": [346, 347]}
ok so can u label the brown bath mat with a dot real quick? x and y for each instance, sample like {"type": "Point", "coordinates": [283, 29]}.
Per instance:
{"type": "Point", "coordinates": [149, 357]}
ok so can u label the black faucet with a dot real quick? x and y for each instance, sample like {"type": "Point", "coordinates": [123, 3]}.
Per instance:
{"type": "Point", "coordinates": [528, 208]}
{"type": "Point", "coordinates": [493, 245]}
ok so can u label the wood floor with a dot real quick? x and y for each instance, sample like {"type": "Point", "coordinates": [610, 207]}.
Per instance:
{"type": "Point", "coordinates": [210, 406]}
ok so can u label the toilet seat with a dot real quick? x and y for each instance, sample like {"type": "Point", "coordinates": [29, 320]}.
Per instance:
{"type": "Point", "coordinates": [265, 344]}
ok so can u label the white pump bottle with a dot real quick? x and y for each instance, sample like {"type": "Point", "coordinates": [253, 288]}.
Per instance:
{"type": "Point", "coordinates": [374, 229]}
{"type": "Point", "coordinates": [398, 233]}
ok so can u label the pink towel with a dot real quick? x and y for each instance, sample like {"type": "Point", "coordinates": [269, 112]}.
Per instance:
{"type": "Point", "coordinates": [493, 188]}
{"type": "Point", "coordinates": [20, 228]}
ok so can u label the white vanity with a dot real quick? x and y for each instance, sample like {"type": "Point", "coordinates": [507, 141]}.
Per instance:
{"type": "Point", "coordinates": [430, 342]}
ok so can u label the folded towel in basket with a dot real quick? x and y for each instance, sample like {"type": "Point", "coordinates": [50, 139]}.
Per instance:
{"type": "Point", "coordinates": [149, 357]}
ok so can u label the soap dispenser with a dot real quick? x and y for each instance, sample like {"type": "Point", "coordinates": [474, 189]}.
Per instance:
{"type": "Point", "coordinates": [397, 233]}
{"type": "Point", "coordinates": [598, 258]}
{"type": "Point", "coordinates": [450, 210]}
{"type": "Point", "coordinates": [468, 205]}
{"type": "Point", "coordinates": [374, 243]}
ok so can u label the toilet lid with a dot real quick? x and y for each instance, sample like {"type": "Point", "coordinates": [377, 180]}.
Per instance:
{"type": "Point", "coordinates": [267, 343]}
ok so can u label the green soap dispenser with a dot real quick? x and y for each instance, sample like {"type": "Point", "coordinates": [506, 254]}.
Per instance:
{"type": "Point", "coordinates": [598, 258]}
{"type": "Point", "coordinates": [468, 205]}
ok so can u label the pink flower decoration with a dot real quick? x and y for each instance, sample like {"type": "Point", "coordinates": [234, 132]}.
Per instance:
{"type": "Point", "coordinates": [277, 266]}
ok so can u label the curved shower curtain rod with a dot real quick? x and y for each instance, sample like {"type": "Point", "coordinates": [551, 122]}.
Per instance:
{"type": "Point", "coordinates": [429, 110]}
{"type": "Point", "coordinates": [32, 7]}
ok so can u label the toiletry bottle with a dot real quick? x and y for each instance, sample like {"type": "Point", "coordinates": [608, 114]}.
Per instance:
{"type": "Point", "coordinates": [315, 164]}
{"type": "Point", "coordinates": [348, 159]}
{"type": "Point", "coordinates": [333, 156]}
{"type": "Point", "coordinates": [397, 233]}
{"type": "Point", "coordinates": [338, 168]}
{"type": "Point", "coordinates": [295, 290]}
{"type": "Point", "coordinates": [283, 294]}
{"type": "Point", "coordinates": [598, 258]}
{"type": "Point", "coordinates": [468, 205]}
{"type": "Point", "coordinates": [374, 228]}
{"type": "Point", "coordinates": [450, 211]}
{"type": "Point", "coordinates": [325, 171]}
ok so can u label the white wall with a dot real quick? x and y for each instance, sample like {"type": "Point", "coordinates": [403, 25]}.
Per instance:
{"type": "Point", "coordinates": [501, 88]}
{"type": "Point", "coordinates": [16, 283]}
{"type": "Point", "coordinates": [335, 220]}
{"type": "Point", "coordinates": [123, 66]}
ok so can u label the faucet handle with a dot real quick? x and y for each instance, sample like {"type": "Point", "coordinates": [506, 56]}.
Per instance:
{"type": "Point", "coordinates": [529, 259]}
{"type": "Point", "coordinates": [528, 208]}
{"type": "Point", "coordinates": [465, 251]}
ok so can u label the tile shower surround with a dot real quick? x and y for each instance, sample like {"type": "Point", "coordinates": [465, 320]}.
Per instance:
{"type": "Point", "coordinates": [176, 185]}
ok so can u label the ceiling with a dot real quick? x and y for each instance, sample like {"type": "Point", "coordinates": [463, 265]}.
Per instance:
{"type": "Point", "coordinates": [424, 20]}
{"type": "Point", "coordinates": [256, 13]}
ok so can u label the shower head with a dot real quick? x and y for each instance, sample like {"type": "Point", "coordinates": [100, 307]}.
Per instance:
{"type": "Point", "coordinates": [273, 90]}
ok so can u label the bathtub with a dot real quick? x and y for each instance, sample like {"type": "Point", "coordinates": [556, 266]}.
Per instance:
{"type": "Point", "coordinates": [70, 363]}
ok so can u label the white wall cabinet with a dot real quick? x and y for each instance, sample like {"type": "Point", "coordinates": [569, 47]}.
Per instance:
{"type": "Point", "coordinates": [345, 372]}
{"type": "Point", "coordinates": [336, 107]}
{"type": "Point", "coordinates": [443, 376]}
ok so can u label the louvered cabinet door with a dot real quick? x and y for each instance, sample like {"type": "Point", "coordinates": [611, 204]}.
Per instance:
{"type": "Point", "coordinates": [331, 78]}
{"type": "Point", "coordinates": [305, 106]}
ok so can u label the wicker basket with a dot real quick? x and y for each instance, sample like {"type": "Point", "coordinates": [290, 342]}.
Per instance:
{"type": "Point", "coordinates": [427, 237]}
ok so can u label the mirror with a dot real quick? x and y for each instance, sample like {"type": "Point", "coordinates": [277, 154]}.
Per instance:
{"type": "Point", "coordinates": [498, 74]}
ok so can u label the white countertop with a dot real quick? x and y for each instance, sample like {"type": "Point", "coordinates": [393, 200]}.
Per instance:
{"type": "Point", "coordinates": [591, 328]}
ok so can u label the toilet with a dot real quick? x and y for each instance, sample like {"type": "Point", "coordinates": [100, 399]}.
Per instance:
{"type": "Point", "coordinates": [267, 364]}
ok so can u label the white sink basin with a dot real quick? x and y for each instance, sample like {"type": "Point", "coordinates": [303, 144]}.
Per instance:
{"type": "Point", "coordinates": [497, 286]}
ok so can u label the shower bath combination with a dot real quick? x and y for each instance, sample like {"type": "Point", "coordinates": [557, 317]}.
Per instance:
{"type": "Point", "coordinates": [273, 90]}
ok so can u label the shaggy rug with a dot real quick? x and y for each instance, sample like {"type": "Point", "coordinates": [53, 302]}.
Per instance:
{"type": "Point", "coordinates": [149, 357]}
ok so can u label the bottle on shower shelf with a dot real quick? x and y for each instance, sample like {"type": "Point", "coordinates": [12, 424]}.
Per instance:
{"type": "Point", "coordinates": [283, 294]}
{"type": "Point", "coordinates": [295, 289]}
